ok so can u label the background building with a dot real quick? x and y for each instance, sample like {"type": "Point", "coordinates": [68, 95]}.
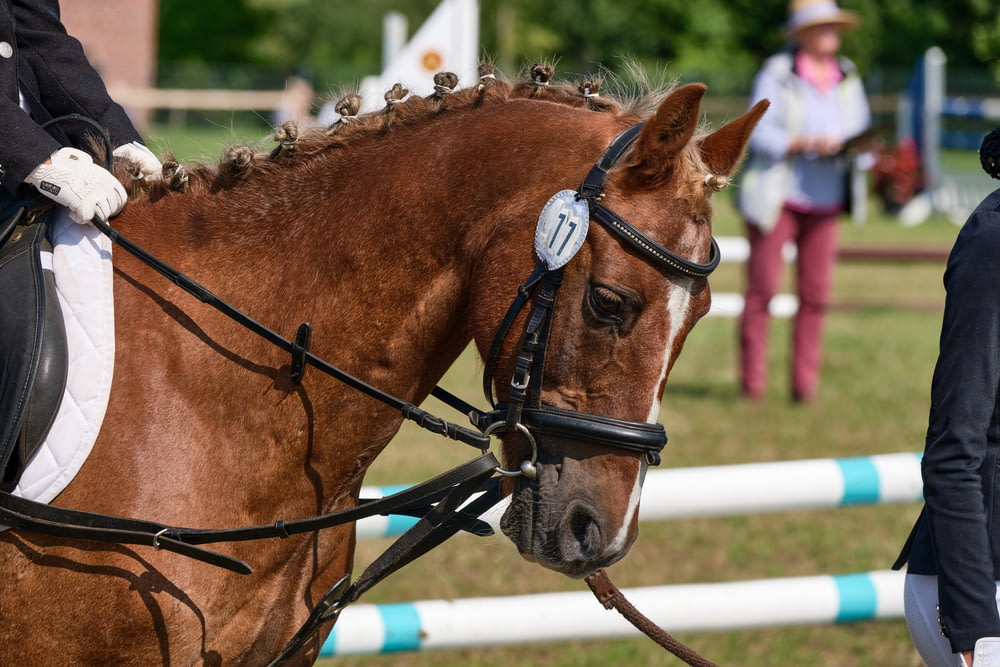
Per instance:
{"type": "Point", "coordinates": [120, 38]}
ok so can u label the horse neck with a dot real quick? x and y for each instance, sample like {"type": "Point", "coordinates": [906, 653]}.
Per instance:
{"type": "Point", "coordinates": [387, 244]}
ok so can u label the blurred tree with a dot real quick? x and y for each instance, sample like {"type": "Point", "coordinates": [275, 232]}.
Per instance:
{"type": "Point", "coordinates": [986, 34]}
{"type": "Point", "coordinates": [195, 31]}
{"type": "Point", "coordinates": [328, 40]}
{"type": "Point", "coordinates": [897, 32]}
{"type": "Point", "coordinates": [337, 42]}
{"type": "Point", "coordinates": [665, 36]}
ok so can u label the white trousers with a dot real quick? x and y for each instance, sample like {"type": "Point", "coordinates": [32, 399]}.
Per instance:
{"type": "Point", "coordinates": [920, 599]}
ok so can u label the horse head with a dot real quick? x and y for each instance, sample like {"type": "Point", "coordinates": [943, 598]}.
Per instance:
{"type": "Point", "coordinates": [623, 306]}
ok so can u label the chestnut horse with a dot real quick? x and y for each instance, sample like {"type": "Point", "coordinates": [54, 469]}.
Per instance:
{"type": "Point", "coordinates": [401, 236]}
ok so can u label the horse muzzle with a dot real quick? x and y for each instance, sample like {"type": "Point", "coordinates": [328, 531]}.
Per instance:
{"type": "Point", "coordinates": [568, 511]}
{"type": "Point", "coordinates": [577, 515]}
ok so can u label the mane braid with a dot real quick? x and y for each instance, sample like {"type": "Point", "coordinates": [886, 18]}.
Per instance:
{"type": "Point", "coordinates": [296, 145]}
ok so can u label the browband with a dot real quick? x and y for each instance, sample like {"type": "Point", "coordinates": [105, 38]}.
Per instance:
{"type": "Point", "coordinates": [592, 190]}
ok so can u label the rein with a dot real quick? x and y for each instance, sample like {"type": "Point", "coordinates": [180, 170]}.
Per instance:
{"type": "Point", "coordinates": [301, 356]}
{"type": "Point", "coordinates": [442, 503]}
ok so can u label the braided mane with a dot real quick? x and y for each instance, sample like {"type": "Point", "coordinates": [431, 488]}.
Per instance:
{"type": "Point", "coordinates": [401, 108]}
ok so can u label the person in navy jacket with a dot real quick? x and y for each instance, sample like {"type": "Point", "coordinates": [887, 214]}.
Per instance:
{"type": "Point", "coordinates": [953, 553]}
{"type": "Point", "coordinates": [44, 73]}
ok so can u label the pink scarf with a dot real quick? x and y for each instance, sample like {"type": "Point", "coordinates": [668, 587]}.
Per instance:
{"type": "Point", "coordinates": [824, 75]}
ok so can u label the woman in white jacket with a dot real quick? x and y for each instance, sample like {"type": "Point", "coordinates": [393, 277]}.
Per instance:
{"type": "Point", "coordinates": [793, 186]}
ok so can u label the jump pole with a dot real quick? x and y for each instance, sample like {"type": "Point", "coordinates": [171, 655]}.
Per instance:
{"type": "Point", "coordinates": [748, 488]}
{"type": "Point", "coordinates": [556, 617]}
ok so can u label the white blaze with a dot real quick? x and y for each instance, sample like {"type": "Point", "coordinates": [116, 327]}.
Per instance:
{"type": "Point", "coordinates": [678, 299]}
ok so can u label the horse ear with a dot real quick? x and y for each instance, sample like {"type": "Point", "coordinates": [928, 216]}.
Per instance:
{"type": "Point", "coordinates": [668, 132]}
{"type": "Point", "coordinates": [722, 149]}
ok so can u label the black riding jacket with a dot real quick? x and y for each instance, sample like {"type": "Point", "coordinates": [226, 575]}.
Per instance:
{"type": "Point", "coordinates": [50, 69]}
{"type": "Point", "coordinates": [957, 537]}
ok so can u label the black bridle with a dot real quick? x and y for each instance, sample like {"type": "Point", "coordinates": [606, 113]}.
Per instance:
{"type": "Point", "coordinates": [524, 411]}
{"type": "Point", "coordinates": [445, 504]}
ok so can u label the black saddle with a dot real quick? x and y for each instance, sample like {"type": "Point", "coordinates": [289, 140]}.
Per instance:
{"type": "Point", "coordinates": [33, 350]}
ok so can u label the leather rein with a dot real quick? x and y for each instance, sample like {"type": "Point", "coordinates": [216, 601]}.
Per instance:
{"type": "Point", "coordinates": [442, 503]}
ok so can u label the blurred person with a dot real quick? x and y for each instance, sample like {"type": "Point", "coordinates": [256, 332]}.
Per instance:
{"type": "Point", "coordinates": [793, 186]}
{"type": "Point", "coordinates": [45, 74]}
{"type": "Point", "coordinates": [296, 104]}
{"type": "Point", "coordinates": [952, 584]}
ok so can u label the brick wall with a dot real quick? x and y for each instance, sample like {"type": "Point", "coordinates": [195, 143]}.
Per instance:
{"type": "Point", "coordinates": [119, 37]}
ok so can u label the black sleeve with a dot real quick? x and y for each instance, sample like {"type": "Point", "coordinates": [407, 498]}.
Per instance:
{"type": "Point", "coordinates": [66, 83]}
{"type": "Point", "coordinates": [964, 394]}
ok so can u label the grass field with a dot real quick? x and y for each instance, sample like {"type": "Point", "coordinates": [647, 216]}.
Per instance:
{"type": "Point", "coordinates": [873, 399]}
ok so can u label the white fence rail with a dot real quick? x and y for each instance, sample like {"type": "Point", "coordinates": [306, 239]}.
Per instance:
{"type": "Point", "coordinates": [715, 607]}
{"type": "Point", "coordinates": [749, 488]}
{"type": "Point", "coordinates": [553, 617]}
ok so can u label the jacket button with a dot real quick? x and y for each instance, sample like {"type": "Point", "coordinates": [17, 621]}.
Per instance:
{"type": "Point", "coordinates": [940, 620]}
{"type": "Point", "coordinates": [6, 50]}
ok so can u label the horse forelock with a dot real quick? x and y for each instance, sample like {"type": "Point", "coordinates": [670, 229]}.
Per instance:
{"type": "Point", "coordinates": [634, 101]}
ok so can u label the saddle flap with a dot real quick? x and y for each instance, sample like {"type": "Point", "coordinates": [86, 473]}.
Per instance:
{"type": "Point", "coordinates": [35, 357]}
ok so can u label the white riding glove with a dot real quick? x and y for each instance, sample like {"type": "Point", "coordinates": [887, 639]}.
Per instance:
{"type": "Point", "coordinates": [74, 181]}
{"type": "Point", "coordinates": [149, 165]}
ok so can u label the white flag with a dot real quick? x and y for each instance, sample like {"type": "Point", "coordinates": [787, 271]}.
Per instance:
{"type": "Point", "coordinates": [448, 41]}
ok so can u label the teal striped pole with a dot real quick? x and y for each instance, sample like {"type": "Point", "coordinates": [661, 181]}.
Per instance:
{"type": "Point", "coordinates": [749, 488]}
{"type": "Point", "coordinates": [557, 617]}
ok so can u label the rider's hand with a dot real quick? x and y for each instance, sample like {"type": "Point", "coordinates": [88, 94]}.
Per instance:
{"type": "Point", "coordinates": [148, 164]}
{"type": "Point", "coordinates": [70, 178]}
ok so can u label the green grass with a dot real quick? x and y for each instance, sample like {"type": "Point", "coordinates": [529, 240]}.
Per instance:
{"type": "Point", "coordinates": [205, 141]}
{"type": "Point", "coordinates": [873, 399]}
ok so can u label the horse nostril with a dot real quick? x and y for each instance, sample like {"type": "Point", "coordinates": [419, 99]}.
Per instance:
{"type": "Point", "coordinates": [583, 533]}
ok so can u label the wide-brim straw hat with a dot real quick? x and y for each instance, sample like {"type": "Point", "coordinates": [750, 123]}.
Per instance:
{"type": "Point", "coordinates": [804, 14]}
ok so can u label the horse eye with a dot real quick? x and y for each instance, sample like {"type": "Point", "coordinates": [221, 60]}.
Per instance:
{"type": "Point", "coordinates": [607, 304]}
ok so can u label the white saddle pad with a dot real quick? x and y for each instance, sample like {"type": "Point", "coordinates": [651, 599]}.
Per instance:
{"type": "Point", "coordinates": [81, 260]}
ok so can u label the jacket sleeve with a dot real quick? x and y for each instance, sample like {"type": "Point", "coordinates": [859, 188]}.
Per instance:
{"type": "Point", "coordinates": [858, 115]}
{"type": "Point", "coordinates": [960, 454]}
{"type": "Point", "coordinates": [773, 134]}
{"type": "Point", "coordinates": [32, 145]}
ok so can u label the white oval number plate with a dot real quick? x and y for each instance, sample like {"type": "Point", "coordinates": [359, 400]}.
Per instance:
{"type": "Point", "coordinates": [562, 228]}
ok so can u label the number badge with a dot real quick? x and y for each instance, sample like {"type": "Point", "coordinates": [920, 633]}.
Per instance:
{"type": "Point", "coordinates": [562, 228]}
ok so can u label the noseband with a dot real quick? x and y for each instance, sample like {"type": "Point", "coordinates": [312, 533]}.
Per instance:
{"type": "Point", "coordinates": [562, 228]}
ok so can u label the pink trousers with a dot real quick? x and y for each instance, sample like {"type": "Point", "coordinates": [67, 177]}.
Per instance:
{"type": "Point", "coordinates": [815, 237]}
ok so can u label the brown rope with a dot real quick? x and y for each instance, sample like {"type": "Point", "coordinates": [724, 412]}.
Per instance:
{"type": "Point", "coordinates": [609, 596]}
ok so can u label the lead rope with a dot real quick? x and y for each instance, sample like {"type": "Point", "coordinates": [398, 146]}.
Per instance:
{"type": "Point", "coordinates": [612, 598]}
